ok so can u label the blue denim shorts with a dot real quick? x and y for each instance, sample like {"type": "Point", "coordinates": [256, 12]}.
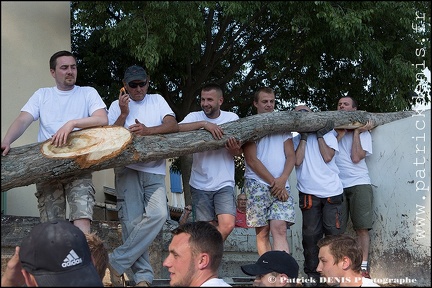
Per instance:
{"type": "Point", "coordinates": [208, 204]}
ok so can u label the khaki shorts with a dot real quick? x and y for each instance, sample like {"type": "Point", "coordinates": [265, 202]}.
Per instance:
{"type": "Point", "coordinates": [79, 193]}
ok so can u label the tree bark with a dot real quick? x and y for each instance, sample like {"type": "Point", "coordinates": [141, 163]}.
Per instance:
{"type": "Point", "coordinates": [27, 164]}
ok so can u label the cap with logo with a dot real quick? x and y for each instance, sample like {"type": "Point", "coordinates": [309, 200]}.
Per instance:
{"type": "Point", "coordinates": [57, 254]}
{"type": "Point", "coordinates": [273, 261]}
{"type": "Point", "coordinates": [134, 73]}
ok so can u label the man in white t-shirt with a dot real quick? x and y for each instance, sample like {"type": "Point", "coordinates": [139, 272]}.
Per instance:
{"type": "Point", "coordinates": [268, 163]}
{"type": "Point", "coordinates": [212, 177]}
{"type": "Point", "coordinates": [320, 191]}
{"type": "Point", "coordinates": [354, 146]}
{"type": "Point", "coordinates": [140, 187]}
{"type": "Point", "coordinates": [60, 110]}
{"type": "Point", "coordinates": [195, 254]}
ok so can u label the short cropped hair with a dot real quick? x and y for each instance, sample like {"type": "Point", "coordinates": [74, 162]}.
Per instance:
{"type": "Point", "coordinates": [213, 86]}
{"type": "Point", "coordinates": [204, 238]}
{"type": "Point", "coordinates": [53, 59]}
{"type": "Point", "coordinates": [262, 89]}
{"type": "Point", "coordinates": [354, 102]}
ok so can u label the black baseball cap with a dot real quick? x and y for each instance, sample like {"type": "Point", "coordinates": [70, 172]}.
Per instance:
{"type": "Point", "coordinates": [273, 261]}
{"type": "Point", "coordinates": [135, 72]}
{"type": "Point", "coordinates": [57, 254]}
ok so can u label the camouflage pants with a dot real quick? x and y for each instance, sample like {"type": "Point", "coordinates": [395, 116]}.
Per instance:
{"type": "Point", "coordinates": [79, 193]}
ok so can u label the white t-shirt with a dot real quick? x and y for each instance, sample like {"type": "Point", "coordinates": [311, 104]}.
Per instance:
{"type": "Point", "coordinates": [352, 174]}
{"type": "Point", "coordinates": [366, 282]}
{"type": "Point", "coordinates": [213, 169]}
{"type": "Point", "coordinates": [314, 175]}
{"type": "Point", "coordinates": [150, 111]}
{"type": "Point", "coordinates": [215, 282]}
{"type": "Point", "coordinates": [54, 107]}
{"type": "Point", "coordinates": [271, 153]}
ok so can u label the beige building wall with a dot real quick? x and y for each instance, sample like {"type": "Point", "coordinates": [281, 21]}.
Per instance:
{"type": "Point", "coordinates": [31, 32]}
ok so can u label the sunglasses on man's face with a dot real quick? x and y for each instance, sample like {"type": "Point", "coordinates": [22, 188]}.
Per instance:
{"type": "Point", "coordinates": [135, 84]}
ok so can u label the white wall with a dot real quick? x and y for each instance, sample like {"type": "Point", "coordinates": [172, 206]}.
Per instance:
{"type": "Point", "coordinates": [400, 170]}
{"type": "Point", "coordinates": [400, 238]}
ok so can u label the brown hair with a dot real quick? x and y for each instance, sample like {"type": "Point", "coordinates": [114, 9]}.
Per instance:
{"type": "Point", "coordinates": [354, 102]}
{"type": "Point", "coordinates": [53, 59]}
{"type": "Point", "coordinates": [262, 89]}
{"type": "Point", "coordinates": [98, 252]}
{"type": "Point", "coordinates": [204, 238]}
{"type": "Point", "coordinates": [344, 246]}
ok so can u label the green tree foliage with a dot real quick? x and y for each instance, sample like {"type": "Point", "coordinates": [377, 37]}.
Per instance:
{"type": "Point", "coordinates": [313, 52]}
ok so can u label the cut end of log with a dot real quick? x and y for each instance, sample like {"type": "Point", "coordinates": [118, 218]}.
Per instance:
{"type": "Point", "coordinates": [91, 145]}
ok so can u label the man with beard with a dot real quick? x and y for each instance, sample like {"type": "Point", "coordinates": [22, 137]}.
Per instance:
{"type": "Point", "coordinates": [212, 176]}
{"type": "Point", "coordinates": [195, 254]}
{"type": "Point", "coordinates": [62, 109]}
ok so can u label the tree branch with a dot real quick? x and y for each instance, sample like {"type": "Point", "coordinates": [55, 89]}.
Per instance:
{"type": "Point", "coordinates": [28, 164]}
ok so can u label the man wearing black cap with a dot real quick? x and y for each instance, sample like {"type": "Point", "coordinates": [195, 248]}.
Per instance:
{"type": "Point", "coordinates": [273, 269]}
{"type": "Point", "coordinates": [140, 187]}
{"type": "Point", "coordinates": [55, 254]}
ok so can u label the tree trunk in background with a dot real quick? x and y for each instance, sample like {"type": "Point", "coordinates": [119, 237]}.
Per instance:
{"type": "Point", "coordinates": [186, 166]}
{"type": "Point", "coordinates": [27, 164]}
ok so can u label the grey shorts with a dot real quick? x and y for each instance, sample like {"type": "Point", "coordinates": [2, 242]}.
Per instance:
{"type": "Point", "coordinates": [208, 204]}
{"type": "Point", "coordinates": [79, 193]}
{"type": "Point", "coordinates": [263, 207]}
{"type": "Point", "coordinates": [357, 204]}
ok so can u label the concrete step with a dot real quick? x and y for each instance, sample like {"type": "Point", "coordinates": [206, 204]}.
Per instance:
{"type": "Point", "coordinates": [233, 281]}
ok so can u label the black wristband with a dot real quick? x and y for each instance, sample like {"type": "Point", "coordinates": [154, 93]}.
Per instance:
{"type": "Point", "coordinates": [303, 137]}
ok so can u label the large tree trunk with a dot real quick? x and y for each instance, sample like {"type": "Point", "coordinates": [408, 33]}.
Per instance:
{"type": "Point", "coordinates": [40, 162]}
